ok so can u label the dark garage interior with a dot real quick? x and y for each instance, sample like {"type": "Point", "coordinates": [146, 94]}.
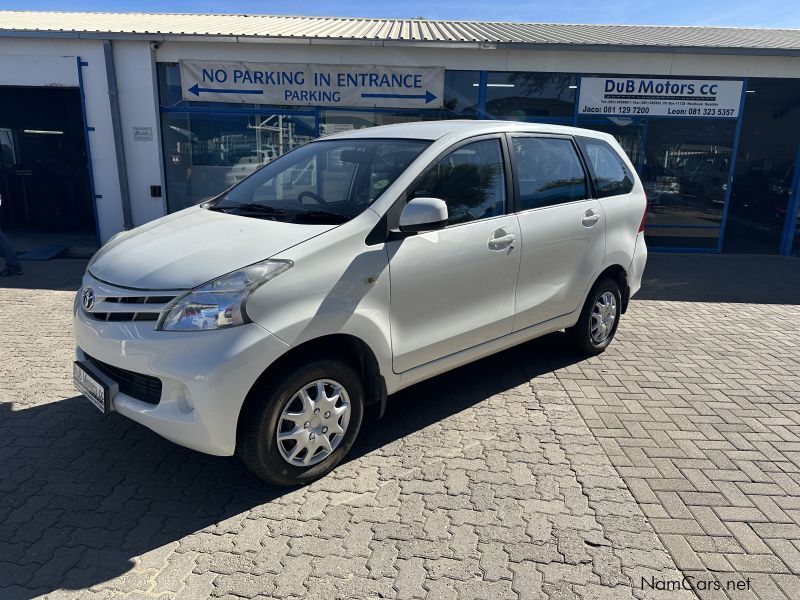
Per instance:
{"type": "Point", "coordinates": [44, 178]}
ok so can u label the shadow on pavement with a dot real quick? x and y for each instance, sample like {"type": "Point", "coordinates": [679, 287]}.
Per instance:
{"type": "Point", "coordinates": [740, 278]}
{"type": "Point", "coordinates": [57, 274]}
{"type": "Point", "coordinates": [81, 495]}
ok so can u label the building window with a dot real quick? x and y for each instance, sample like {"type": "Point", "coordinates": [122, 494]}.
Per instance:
{"type": "Point", "coordinates": [685, 172]}
{"type": "Point", "coordinates": [206, 153]}
{"type": "Point", "coordinates": [763, 181]}
{"type": "Point", "coordinates": [530, 96]}
{"type": "Point", "coordinates": [461, 93]}
{"type": "Point", "coordinates": [169, 84]}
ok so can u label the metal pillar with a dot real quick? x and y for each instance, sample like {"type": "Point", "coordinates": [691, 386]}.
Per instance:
{"type": "Point", "coordinates": [116, 124]}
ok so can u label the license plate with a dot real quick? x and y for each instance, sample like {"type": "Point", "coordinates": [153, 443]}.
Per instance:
{"type": "Point", "coordinates": [96, 391]}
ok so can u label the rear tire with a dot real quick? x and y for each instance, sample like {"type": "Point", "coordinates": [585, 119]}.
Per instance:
{"type": "Point", "coordinates": [599, 318]}
{"type": "Point", "coordinates": [307, 405]}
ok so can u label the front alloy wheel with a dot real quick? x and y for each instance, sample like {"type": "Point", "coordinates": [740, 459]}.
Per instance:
{"type": "Point", "coordinates": [313, 423]}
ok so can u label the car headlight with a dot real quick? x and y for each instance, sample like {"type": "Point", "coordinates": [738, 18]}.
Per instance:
{"type": "Point", "coordinates": [219, 303]}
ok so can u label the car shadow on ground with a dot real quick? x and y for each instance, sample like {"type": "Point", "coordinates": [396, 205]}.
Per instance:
{"type": "Point", "coordinates": [82, 494]}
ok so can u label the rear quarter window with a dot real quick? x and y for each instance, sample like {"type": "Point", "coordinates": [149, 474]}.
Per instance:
{"type": "Point", "coordinates": [610, 174]}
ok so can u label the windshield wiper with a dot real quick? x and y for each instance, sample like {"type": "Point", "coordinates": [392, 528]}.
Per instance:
{"type": "Point", "coordinates": [270, 211]}
{"type": "Point", "coordinates": [252, 207]}
{"type": "Point", "coordinates": [322, 214]}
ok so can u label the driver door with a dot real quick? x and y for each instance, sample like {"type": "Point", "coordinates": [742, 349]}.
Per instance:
{"type": "Point", "coordinates": [454, 288]}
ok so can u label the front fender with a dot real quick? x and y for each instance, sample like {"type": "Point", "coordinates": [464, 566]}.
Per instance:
{"type": "Point", "coordinates": [337, 294]}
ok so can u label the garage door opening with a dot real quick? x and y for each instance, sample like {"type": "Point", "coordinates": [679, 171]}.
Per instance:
{"type": "Point", "coordinates": [44, 177]}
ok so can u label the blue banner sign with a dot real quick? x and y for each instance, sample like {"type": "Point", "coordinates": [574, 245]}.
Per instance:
{"type": "Point", "coordinates": [313, 85]}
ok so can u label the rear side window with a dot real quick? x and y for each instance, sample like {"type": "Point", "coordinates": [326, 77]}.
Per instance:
{"type": "Point", "coordinates": [548, 172]}
{"type": "Point", "coordinates": [470, 179]}
{"type": "Point", "coordinates": [609, 173]}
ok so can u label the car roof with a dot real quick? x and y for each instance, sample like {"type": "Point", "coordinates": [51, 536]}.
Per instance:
{"type": "Point", "coordinates": [434, 130]}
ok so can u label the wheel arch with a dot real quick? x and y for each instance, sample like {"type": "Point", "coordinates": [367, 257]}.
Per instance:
{"type": "Point", "coordinates": [620, 275]}
{"type": "Point", "coordinates": [341, 346]}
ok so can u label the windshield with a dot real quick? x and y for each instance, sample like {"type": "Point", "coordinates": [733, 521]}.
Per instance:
{"type": "Point", "coordinates": [322, 182]}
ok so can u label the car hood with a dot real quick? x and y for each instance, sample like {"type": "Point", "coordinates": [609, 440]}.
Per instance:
{"type": "Point", "coordinates": [193, 246]}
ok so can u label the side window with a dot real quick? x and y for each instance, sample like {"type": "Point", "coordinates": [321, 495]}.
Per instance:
{"type": "Point", "coordinates": [470, 179]}
{"type": "Point", "coordinates": [610, 175]}
{"type": "Point", "coordinates": [548, 172]}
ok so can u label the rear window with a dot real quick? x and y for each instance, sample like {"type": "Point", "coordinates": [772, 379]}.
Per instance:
{"type": "Point", "coordinates": [609, 173]}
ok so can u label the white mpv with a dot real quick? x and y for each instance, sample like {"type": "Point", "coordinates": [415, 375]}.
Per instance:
{"type": "Point", "coordinates": [265, 321]}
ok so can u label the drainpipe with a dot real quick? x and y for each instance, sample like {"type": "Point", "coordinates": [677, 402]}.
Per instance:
{"type": "Point", "coordinates": [116, 124]}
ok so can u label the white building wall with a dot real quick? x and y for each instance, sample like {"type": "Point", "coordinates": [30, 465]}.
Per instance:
{"type": "Point", "coordinates": [138, 100]}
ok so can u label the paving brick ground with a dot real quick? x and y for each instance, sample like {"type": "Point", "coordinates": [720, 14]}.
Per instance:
{"type": "Point", "coordinates": [532, 474]}
{"type": "Point", "coordinates": [698, 408]}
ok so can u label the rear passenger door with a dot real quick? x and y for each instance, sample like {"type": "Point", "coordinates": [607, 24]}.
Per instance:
{"type": "Point", "coordinates": [562, 228]}
{"type": "Point", "coordinates": [622, 199]}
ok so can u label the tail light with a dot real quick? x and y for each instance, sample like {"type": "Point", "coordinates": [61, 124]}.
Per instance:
{"type": "Point", "coordinates": [644, 215]}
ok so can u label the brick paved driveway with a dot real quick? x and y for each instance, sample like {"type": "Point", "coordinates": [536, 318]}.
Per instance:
{"type": "Point", "coordinates": [532, 474]}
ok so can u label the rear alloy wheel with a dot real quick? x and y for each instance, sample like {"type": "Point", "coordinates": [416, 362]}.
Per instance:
{"type": "Point", "coordinates": [299, 426]}
{"type": "Point", "coordinates": [599, 318]}
{"type": "Point", "coordinates": [604, 317]}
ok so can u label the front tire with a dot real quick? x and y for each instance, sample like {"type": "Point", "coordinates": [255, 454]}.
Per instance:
{"type": "Point", "coordinates": [599, 318]}
{"type": "Point", "coordinates": [298, 427]}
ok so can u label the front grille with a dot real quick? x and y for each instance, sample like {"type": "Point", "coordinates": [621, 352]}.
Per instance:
{"type": "Point", "coordinates": [129, 308]}
{"type": "Point", "coordinates": [141, 387]}
{"type": "Point", "coordinates": [123, 316]}
{"type": "Point", "coordinates": [140, 299]}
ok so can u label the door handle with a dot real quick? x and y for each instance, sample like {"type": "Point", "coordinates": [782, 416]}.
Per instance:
{"type": "Point", "coordinates": [501, 240]}
{"type": "Point", "coordinates": [590, 218]}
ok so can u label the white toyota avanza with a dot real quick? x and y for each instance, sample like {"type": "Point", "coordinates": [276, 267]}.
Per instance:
{"type": "Point", "coordinates": [265, 321]}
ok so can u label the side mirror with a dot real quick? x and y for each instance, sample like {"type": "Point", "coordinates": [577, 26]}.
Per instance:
{"type": "Point", "coordinates": [423, 214]}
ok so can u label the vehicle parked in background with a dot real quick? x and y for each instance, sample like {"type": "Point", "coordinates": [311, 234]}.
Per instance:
{"type": "Point", "coordinates": [663, 189]}
{"type": "Point", "coordinates": [764, 197]}
{"type": "Point", "coordinates": [247, 164]}
{"type": "Point", "coordinates": [267, 320]}
{"type": "Point", "coordinates": [703, 176]}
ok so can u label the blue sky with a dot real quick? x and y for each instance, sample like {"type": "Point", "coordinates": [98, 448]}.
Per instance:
{"type": "Point", "coordinates": [764, 13]}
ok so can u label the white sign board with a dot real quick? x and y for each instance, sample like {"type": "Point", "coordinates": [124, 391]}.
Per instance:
{"type": "Point", "coordinates": [142, 134]}
{"type": "Point", "coordinates": [312, 85]}
{"type": "Point", "coordinates": [625, 96]}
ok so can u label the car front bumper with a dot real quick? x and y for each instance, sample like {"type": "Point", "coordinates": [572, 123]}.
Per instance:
{"type": "Point", "coordinates": [205, 375]}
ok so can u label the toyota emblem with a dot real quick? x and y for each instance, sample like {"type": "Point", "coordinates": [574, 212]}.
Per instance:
{"type": "Point", "coordinates": [88, 299]}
